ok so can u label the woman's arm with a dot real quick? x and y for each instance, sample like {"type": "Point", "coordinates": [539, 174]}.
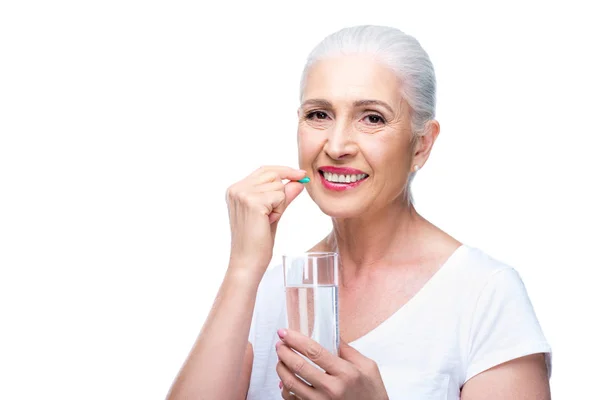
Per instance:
{"type": "Point", "coordinates": [220, 363]}
{"type": "Point", "coordinates": [246, 373]}
{"type": "Point", "coordinates": [524, 378]}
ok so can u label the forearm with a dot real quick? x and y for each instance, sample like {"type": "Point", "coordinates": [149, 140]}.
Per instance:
{"type": "Point", "coordinates": [214, 365]}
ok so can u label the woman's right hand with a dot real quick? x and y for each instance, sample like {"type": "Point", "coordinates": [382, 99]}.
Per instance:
{"type": "Point", "coordinates": [256, 203]}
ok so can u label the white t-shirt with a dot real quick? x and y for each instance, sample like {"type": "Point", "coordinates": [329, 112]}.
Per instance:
{"type": "Point", "coordinates": [473, 314]}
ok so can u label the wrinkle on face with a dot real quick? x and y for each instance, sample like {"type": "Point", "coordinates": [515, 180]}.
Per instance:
{"type": "Point", "coordinates": [345, 91]}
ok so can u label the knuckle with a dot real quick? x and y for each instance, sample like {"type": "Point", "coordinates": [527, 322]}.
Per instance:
{"type": "Point", "coordinates": [257, 207]}
{"type": "Point", "coordinates": [314, 351]}
{"type": "Point", "coordinates": [299, 366]}
{"type": "Point", "coordinates": [280, 197]}
{"type": "Point", "coordinates": [372, 367]}
{"type": "Point", "coordinates": [244, 197]}
{"type": "Point", "coordinates": [335, 390]}
{"type": "Point", "coordinates": [288, 383]}
{"type": "Point", "coordinates": [230, 192]}
{"type": "Point", "coordinates": [270, 176]}
{"type": "Point", "coordinates": [352, 376]}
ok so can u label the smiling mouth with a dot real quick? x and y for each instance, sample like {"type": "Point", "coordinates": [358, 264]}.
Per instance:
{"type": "Point", "coordinates": [342, 179]}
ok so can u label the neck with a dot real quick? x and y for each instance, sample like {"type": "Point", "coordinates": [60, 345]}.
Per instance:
{"type": "Point", "coordinates": [389, 236]}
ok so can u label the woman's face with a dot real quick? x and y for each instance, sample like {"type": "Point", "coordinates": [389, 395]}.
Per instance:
{"type": "Point", "coordinates": [354, 126]}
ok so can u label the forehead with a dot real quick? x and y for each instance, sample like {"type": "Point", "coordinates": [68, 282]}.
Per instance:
{"type": "Point", "coordinates": [352, 77]}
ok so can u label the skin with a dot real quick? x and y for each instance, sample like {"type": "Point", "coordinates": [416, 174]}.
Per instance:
{"type": "Point", "coordinates": [388, 250]}
{"type": "Point", "coordinates": [255, 205]}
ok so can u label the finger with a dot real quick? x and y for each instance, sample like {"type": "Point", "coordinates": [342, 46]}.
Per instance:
{"type": "Point", "coordinates": [354, 357]}
{"type": "Point", "coordinates": [291, 190]}
{"type": "Point", "coordinates": [275, 172]}
{"type": "Point", "coordinates": [349, 353]}
{"type": "Point", "coordinates": [332, 364]}
{"type": "Point", "coordinates": [288, 396]}
{"type": "Point", "coordinates": [291, 383]}
{"type": "Point", "coordinates": [272, 200]}
{"type": "Point", "coordinates": [270, 187]}
{"type": "Point", "coordinates": [301, 367]}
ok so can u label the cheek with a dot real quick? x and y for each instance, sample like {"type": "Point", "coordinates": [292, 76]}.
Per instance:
{"type": "Point", "coordinates": [310, 143]}
{"type": "Point", "coordinates": [386, 156]}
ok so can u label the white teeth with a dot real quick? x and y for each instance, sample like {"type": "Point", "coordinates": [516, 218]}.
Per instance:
{"type": "Point", "coordinates": [343, 178]}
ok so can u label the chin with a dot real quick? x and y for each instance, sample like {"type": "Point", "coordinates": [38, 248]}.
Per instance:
{"type": "Point", "coordinates": [341, 208]}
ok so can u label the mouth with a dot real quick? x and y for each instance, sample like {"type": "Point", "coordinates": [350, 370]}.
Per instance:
{"type": "Point", "coordinates": [339, 179]}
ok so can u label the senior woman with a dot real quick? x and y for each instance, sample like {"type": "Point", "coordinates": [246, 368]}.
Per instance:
{"type": "Point", "coordinates": [422, 316]}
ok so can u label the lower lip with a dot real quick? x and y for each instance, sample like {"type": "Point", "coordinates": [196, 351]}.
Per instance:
{"type": "Point", "coordinates": [339, 187]}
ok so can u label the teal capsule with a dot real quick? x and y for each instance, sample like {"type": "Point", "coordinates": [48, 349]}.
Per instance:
{"type": "Point", "coordinates": [304, 180]}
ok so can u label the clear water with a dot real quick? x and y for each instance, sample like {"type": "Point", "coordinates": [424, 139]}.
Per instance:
{"type": "Point", "coordinates": [313, 311]}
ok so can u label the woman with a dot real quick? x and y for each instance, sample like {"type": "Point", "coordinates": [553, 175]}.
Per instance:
{"type": "Point", "coordinates": [422, 316]}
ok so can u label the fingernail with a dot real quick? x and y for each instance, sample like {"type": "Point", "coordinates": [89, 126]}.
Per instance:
{"type": "Point", "coordinates": [280, 385]}
{"type": "Point", "coordinates": [278, 344]}
{"type": "Point", "coordinates": [282, 333]}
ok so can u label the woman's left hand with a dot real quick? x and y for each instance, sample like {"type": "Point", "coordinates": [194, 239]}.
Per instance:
{"type": "Point", "coordinates": [350, 376]}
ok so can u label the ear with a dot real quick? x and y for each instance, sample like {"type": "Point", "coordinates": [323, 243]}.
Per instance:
{"type": "Point", "coordinates": [424, 143]}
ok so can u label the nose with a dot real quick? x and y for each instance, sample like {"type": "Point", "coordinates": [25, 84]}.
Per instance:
{"type": "Point", "coordinates": [340, 142]}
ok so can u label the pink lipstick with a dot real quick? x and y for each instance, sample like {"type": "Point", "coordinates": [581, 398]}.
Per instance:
{"type": "Point", "coordinates": [341, 178]}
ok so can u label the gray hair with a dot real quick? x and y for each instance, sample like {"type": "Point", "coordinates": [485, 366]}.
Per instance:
{"type": "Point", "coordinates": [400, 52]}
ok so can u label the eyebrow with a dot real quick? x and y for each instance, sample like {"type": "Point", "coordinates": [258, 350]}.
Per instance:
{"type": "Point", "coordinates": [358, 103]}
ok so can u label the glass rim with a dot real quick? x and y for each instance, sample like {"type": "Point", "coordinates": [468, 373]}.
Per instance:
{"type": "Point", "coordinates": [309, 254]}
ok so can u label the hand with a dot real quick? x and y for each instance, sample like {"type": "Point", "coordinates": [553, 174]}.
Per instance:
{"type": "Point", "coordinates": [255, 205]}
{"type": "Point", "coordinates": [350, 376]}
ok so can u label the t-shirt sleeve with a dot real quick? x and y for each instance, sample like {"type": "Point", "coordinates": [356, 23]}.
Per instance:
{"type": "Point", "coordinates": [266, 319]}
{"type": "Point", "coordinates": [268, 305]}
{"type": "Point", "coordinates": [504, 325]}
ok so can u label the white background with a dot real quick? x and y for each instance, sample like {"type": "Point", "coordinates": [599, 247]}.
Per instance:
{"type": "Point", "coordinates": [123, 122]}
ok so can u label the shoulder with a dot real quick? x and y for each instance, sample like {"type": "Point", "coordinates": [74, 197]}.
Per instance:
{"type": "Point", "coordinates": [475, 270]}
{"type": "Point", "coordinates": [490, 280]}
{"type": "Point", "coordinates": [502, 323]}
{"type": "Point", "coordinates": [479, 263]}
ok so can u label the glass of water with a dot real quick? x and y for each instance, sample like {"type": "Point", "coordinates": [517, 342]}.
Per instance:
{"type": "Point", "coordinates": [311, 294]}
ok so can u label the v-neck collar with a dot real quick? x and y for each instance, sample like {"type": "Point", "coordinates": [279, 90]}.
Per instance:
{"type": "Point", "coordinates": [421, 293]}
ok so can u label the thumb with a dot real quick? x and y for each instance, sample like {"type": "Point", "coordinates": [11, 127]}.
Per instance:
{"type": "Point", "coordinates": [292, 190]}
{"type": "Point", "coordinates": [350, 354]}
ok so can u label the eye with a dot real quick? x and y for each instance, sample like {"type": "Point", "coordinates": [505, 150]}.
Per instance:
{"type": "Point", "coordinates": [375, 119]}
{"type": "Point", "coordinates": [317, 115]}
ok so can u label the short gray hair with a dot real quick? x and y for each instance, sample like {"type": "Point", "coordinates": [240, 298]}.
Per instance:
{"type": "Point", "coordinates": [399, 51]}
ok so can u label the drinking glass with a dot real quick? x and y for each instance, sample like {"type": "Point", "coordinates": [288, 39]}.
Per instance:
{"type": "Point", "coordinates": [311, 292]}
